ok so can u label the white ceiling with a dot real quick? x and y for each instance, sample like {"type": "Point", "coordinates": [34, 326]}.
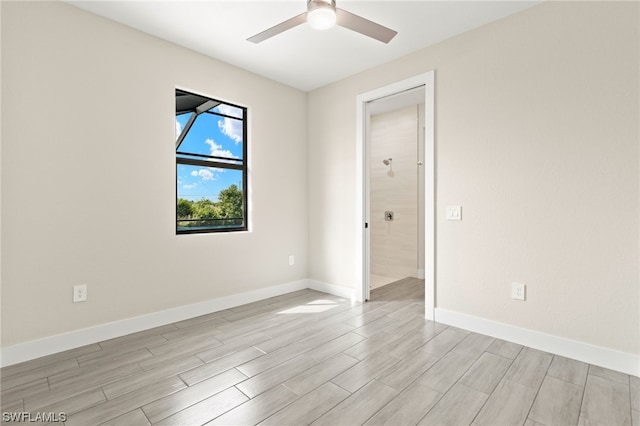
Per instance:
{"type": "Point", "coordinates": [301, 57]}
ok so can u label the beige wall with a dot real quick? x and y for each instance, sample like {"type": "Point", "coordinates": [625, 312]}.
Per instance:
{"type": "Point", "coordinates": [394, 244]}
{"type": "Point", "coordinates": [537, 138]}
{"type": "Point", "coordinates": [88, 175]}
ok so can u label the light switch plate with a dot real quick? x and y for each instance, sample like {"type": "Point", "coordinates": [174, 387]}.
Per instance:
{"type": "Point", "coordinates": [454, 212]}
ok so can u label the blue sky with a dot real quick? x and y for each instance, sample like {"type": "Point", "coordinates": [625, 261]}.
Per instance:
{"type": "Point", "coordinates": [210, 135]}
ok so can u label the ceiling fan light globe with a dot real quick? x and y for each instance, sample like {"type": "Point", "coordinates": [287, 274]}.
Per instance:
{"type": "Point", "coordinates": [321, 18]}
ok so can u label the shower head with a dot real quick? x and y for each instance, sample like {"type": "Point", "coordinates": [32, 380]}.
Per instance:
{"type": "Point", "coordinates": [387, 162]}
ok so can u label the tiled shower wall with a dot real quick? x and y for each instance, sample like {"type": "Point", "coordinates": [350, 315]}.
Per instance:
{"type": "Point", "coordinates": [394, 244]}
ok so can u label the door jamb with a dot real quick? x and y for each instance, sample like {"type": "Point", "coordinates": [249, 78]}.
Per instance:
{"type": "Point", "coordinates": [362, 185]}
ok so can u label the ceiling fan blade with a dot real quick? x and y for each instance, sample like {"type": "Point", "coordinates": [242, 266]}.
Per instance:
{"type": "Point", "coordinates": [277, 29]}
{"type": "Point", "coordinates": [364, 26]}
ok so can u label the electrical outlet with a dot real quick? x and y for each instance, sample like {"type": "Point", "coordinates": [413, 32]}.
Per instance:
{"type": "Point", "coordinates": [454, 212]}
{"type": "Point", "coordinates": [292, 260]}
{"type": "Point", "coordinates": [79, 293]}
{"type": "Point", "coordinates": [518, 291]}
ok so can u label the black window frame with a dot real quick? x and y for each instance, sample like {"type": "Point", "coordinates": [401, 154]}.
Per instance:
{"type": "Point", "coordinates": [201, 160]}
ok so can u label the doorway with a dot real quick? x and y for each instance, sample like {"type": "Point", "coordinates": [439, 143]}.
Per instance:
{"type": "Point", "coordinates": [396, 184]}
{"type": "Point", "coordinates": [416, 90]}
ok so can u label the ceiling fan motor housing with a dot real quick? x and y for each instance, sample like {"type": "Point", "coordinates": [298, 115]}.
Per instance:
{"type": "Point", "coordinates": [321, 4]}
{"type": "Point", "coordinates": [321, 14]}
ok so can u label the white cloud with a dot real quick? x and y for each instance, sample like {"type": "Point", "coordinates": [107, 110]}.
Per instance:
{"type": "Point", "coordinates": [205, 174]}
{"type": "Point", "coordinates": [229, 126]}
{"type": "Point", "coordinates": [217, 151]}
{"type": "Point", "coordinates": [229, 110]}
{"type": "Point", "coordinates": [193, 185]}
{"type": "Point", "coordinates": [178, 129]}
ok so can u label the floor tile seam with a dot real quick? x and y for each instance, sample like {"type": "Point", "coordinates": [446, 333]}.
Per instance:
{"type": "Point", "coordinates": [442, 395]}
{"type": "Point", "coordinates": [25, 384]}
{"type": "Point", "coordinates": [182, 356]}
{"type": "Point", "coordinates": [117, 347]}
{"type": "Point", "coordinates": [49, 407]}
{"type": "Point", "coordinates": [141, 371]}
{"type": "Point", "coordinates": [461, 376]}
{"type": "Point", "coordinates": [190, 405]}
{"type": "Point", "coordinates": [279, 324]}
{"type": "Point", "coordinates": [486, 351]}
{"type": "Point", "coordinates": [379, 373]}
{"type": "Point", "coordinates": [248, 397]}
{"type": "Point", "coordinates": [443, 355]}
{"type": "Point", "coordinates": [298, 355]}
{"type": "Point", "coordinates": [628, 381]}
{"type": "Point", "coordinates": [381, 350]}
{"type": "Point", "coordinates": [75, 394]}
{"type": "Point", "coordinates": [104, 348]}
{"type": "Point", "coordinates": [305, 323]}
{"type": "Point", "coordinates": [188, 352]}
{"type": "Point", "coordinates": [540, 387]}
{"type": "Point", "coordinates": [144, 414]}
{"type": "Point", "coordinates": [184, 334]}
{"type": "Point", "coordinates": [327, 408]}
{"type": "Point", "coordinates": [367, 322]}
{"type": "Point", "coordinates": [502, 378]}
{"type": "Point", "coordinates": [347, 390]}
{"type": "Point", "coordinates": [40, 377]}
{"type": "Point", "coordinates": [415, 380]}
{"type": "Point", "coordinates": [383, 407]}
{"type": "Point", "coordinates": [115, 354]}
{"type": "Point", "coordinates": [498, 382]}
{"type": "Point", "coordinates": [318, 331]}
{"type": "Point", "coordinates": [281, 408]}
{"type": "Point", "coordinates": [76, 379]}
{"type": "Point", "coordinates": [433, 406]}
{"type": "Point", "coordinates": [206, 378]}
{"type": "Point", "coordinates": [269, 307]}
{"type": "Point", "coordinates": [107, 400]}
{"type": "Point", "coordinates": [4, 376]}
{"type": "Point", "coordinates": [233, 351]}
{"type": "Point", "coordinates": [273, 368]}
{"type": "Point", "coordinates": [567, 381]}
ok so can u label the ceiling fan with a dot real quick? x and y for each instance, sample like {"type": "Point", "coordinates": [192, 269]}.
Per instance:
{"type": "Point", "coordinates": [322, 15]}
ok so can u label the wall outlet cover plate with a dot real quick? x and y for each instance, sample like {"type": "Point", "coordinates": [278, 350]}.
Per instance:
{"type": "Point", "coordinates": [454, 212]}
{"type": "Point", "coordinates": [518, 291]}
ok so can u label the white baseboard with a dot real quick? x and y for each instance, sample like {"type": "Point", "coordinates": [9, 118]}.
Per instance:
{"type": "Point", "coordinates": [597, 355]}
{"type": "Point", "coordinates": [592, 354]}
{"type": "Point", "coordinates": [336, 290]}
{"type": "Point", "coordinates": [74, 339]}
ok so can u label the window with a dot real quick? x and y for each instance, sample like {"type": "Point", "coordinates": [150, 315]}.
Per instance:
{"type": "Point", "coordinates": [211, 165]}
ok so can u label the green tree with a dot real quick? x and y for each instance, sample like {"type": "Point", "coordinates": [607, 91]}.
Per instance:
{"type": "Point", "coordinates": [207, 211]}
{"type": "Point", "coordinates": [230, 202]}
{"type": "Point", "coordinates": [184, 208]}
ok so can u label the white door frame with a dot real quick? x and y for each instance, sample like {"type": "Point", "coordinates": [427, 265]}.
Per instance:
{"type": "Point", "coordinates": [362, 185]}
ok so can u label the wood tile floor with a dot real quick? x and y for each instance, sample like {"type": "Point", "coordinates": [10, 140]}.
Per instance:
{"type": "Point", "coordinates": [311, 358]}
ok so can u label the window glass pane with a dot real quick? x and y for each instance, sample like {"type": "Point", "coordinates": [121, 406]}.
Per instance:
{"type": "Point", "coordinates": [213, 135]}
{"type": "Point", "coordinates": [229, 110]}
{"type": "Point", "coordinates": [181, 122]}
{"type": "Point", "coordinates": [209, 198]}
